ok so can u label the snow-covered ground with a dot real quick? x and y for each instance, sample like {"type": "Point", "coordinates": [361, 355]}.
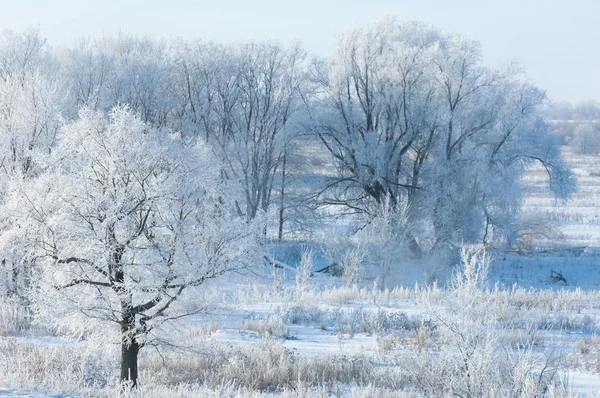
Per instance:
{"type": "Point", "coordinates": [278, 328]}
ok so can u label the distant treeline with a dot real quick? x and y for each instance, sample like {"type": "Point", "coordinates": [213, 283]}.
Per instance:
{"type": "Point", "coordinates": [409, 119]}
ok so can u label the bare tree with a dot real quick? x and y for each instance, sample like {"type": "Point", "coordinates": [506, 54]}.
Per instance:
{"type": "Point", "coordinates": [244, 100]}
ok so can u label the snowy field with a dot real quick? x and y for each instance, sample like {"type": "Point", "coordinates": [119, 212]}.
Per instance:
{"type": "Point", "coordinates": [564, 237]}
{"type": "Point", "coordinates": [533, 327]}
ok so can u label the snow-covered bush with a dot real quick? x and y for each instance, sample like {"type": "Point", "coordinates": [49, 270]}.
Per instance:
{"type": "Point", "coordinates": [373, 322]}
{"type": "Point", "coordinates": [472, 359]}
{"type": "Point", "coordinates": [352, 265]}
{"type": "Point", "coordinates": [304, 271]}
{"type": "Point", "coordinates": [62, 366]}
{"type": "Point", "coordinates": [386, 239]}
{"type": "Point", "coordinates": [272, 327]}
{"type": "Point", "coordinates": [15, 317]}
{"type": "Point", "coordinates": [268, 366]}
{"type": "Point", "coordinates": [377, 248]}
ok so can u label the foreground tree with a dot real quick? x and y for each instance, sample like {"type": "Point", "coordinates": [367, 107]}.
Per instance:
{"type": "Point", "coordinates": [123, 221]}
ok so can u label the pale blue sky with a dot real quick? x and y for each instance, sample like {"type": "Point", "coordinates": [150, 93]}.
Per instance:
{"type": "Point", "coordinates": [557, 42]}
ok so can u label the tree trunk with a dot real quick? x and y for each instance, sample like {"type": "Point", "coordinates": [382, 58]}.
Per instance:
{"type": "Point", "coordinates": [282, 202]}
{"type": "Point", "coordinates": [129, 348]}
{"type": "Point", "coordinates": [414, 247]}
{"type": "Point", "coordinates": [129, 359]}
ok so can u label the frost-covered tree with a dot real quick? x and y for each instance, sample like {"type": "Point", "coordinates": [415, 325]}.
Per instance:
{"type": "Point", "coordinates": [413, 115]}
{"type": "Point", "coordinates": [586, 138]}
{"type": "Point", "coordinates": [376, 105]}
{"type": "Point", "coordinates": [123, 221]}
{"type": "Point", "coordinates": [31, 102]}
{"type": "Point", "coordinates": [587, 110]}
{"type": "Point", "coordinates": [29, 120]}
{"type": "Point", "coordinates": [121, 69]}
{"type": "Point", "coordinates": [268, 84]}
{"type": "Point", "coordinates": [22, 54]}
{"type": "Point", "coordinates": [88, 69]}
{"type": "Point", "coordinates": [245, 100]}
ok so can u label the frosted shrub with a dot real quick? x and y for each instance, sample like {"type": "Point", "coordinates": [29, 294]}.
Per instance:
{"type": "Point", "coordinates": [352, 265]}
{"type": "Point", "coordinates": [277, 283]}
{"type": "Point", "coordinates": [472, 359]}
{"type": "Point", "coordinates": [302, 390]}
{"type": "Point", "coordinates": [304, 271]}
{"type": "Point", "coordinates": [268, 328]}
{"type": "Point", "coordinates": [373, 322]}
{"type": "Point", "coordinates": [473, 270]}
{"type": "Point", "coordinates": [312, 315]}
{"type": "Point", "coordinates": [264, 366]}
{"type": "Point", "coordinates": [380, 242]}
{"type": "Point", "coordinates": [61, 367]}
{"type": "Point", "coordinates": [385, 237]}
{"type": "Point", "coordinates": [14, 318]}
{"type": "Point", "coordinates": [346, 255]}
{"type": "Point", "coordinates": [535, 228]}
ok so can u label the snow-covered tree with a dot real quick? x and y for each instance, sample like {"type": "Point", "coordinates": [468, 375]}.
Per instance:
{"type": "Point", "coordinates": [123, 221]}
{"type": "Point", "coordinates": [587, 110]}
{"type": "Point", "coordinates": [413, 115]}
{"type": "Point", "coordinates": [31, 102]}
{"type": "Point", "coordinates": [586, 138]}
{"type": "Point", "coordinates": [121, 69]}
{"type": "Point", "coordinates": [88, 69]}
{"type": "Point", "coordinates": [244, 99]}
{"type": "Point", "coordinates": [22, 54]}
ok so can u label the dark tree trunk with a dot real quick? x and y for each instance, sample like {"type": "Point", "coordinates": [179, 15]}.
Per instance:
{"type": "Point", "coordinates": [413, 244]}
{"type": "Point", "coordinates": [13, 285]}
{"type": "Point", "coordinates": [129, 357]}
{"type": "Point", "coordinates": [129, 344]}
{"type": "Point", "coordinates": [414, 247]}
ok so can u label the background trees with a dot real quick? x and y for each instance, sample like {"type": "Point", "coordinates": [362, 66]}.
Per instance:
{"type": "Point", "coordinates": [575, 124]}
{"type": "Point", "coordinates": [31, 98]}
{"type": "Point", "coordinates": [124, 220]}
{"type": "Point", "coordinates": [586, 138]}
{"type": "Point", "coordinates": [245, 100]}
{"type": "Point", "coordinates": [118, 70]}
{"type": "Point", "coordinates": [409, 116]}
{"type": "Point", "coordinates": [413, 115]}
